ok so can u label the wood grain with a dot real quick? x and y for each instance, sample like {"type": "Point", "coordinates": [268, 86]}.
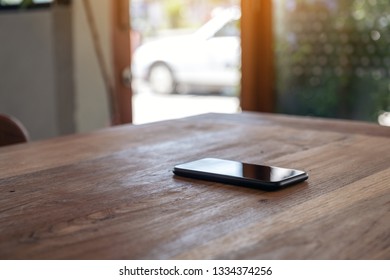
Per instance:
{"type": "Point", "coordinates": [111, 194]}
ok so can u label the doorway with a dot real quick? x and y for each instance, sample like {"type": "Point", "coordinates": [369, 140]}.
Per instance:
{"type": "Point", "coordinates": [186, 58]}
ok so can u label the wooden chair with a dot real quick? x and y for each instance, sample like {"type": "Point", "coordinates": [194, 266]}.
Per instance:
{"type": "Point", "coordinates": [11, 131]}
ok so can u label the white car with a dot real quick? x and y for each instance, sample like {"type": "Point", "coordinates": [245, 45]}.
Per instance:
{"type": "Point", "coordinates": [208, 59]}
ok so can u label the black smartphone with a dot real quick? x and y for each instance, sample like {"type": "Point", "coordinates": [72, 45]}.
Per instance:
{"type": "Point", "coordinates": [268, 178]}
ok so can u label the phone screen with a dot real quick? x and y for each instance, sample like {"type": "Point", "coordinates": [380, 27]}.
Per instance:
{"type": "Point", "coordinates": [239, 172]}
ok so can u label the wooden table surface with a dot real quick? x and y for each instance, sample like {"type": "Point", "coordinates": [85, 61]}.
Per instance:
{"type": "Point", "coordinates": [111, 194]}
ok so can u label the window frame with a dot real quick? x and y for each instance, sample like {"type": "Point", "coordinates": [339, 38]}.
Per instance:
{"type": "Point", "coordinates": [257, 57]}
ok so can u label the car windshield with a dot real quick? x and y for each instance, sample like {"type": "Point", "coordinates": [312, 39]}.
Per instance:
{"type": "Point", "coordinates": [214, 25]}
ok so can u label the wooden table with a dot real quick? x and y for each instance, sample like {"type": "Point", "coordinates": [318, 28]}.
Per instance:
{"type": "Point", "coordinates": [111, 194]}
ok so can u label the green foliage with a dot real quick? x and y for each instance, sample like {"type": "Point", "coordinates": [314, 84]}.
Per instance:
{"type": "Point", "coordinates": [26, 3]}
{"type": "Point", "coordinates": [174, 10]}
{"type": "Point", "coordinates": [333, 58]}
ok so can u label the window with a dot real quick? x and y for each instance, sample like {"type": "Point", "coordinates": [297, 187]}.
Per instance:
{"type": "Point", "coordinates": [186, 58]}
{"type": "Point", "coordinates": [230, 29]}
{"type": "Point", "coordinates": [17, 4]}
{"type": "Point", "coordinates": [333, 58]}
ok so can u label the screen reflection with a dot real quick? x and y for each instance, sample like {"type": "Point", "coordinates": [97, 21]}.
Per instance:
{"type": "Point", "coordinates": [266, 173]}
{"type": "Point", "coordinates": [238, 169]}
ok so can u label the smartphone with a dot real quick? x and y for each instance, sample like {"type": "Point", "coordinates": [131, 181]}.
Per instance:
{"type": "Point", "coordinates": [269, 178]}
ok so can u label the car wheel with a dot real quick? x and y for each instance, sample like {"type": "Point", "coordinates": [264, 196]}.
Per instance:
{"type": "Point", "coordinates": [161, 79]}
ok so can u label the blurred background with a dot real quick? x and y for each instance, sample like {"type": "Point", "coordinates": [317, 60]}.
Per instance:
{"type": "Point", "coordinates": [186, 58]}
{"type": "Point", "coordinates": [77, 66]}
